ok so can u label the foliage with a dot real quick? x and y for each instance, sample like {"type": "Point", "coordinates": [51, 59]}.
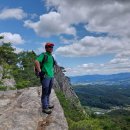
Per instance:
{"type": "Point", "coordinates": [22, 84]}
{"type": "Point", "coordinates": [103, 96]}
{"type": "Point", "coordinates": [121, 117]}
{"type": "Point", "coordinates": [70, 111]}
{"type": "Point", "coordinates": [7, 54]}
{"type": "Point", "coordinates": [20, 66]}
{"type": "Point", "coordinates": [78, 121]}
{"type": "Point", "coordinates": [88, 124]}
{"type": "Point", "coordinates": [25, 70]}
{"type": "Point", "coordinates": [6, 70]}
{"type": "Point", "coordinates": [3, 88]}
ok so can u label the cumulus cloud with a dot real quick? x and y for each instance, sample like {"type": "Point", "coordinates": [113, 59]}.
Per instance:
{"type": "Point", "coordinates": [39, 50]}
{"type": "Point", "coordinates": [111, 67]}
{"type": "Point", "coordinates": [12, 38]}
{"type": "Point", "coordinates": [50, 24]}
{"type": "Point", "coordinates": [98, 16]}
{"type": "Point", "coordinates": [119, 60]}
{"type": "Point", "coordinates": [92, 46]}
{"type": "Point", "coordinates": [18, 50]}
{"type": "Point", "coordinates": [15, 13]}
{"type": "Point", "coordinates": [110, 16]}
{"type": "Point", "coordinates": [107, 16]}
{"type": "Point", "coordinates": [123, 54]}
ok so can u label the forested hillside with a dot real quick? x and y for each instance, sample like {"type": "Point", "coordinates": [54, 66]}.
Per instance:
{"type": "Point", "coordinates": [103, 96]}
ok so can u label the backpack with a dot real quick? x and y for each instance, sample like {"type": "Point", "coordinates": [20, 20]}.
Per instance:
{"type": "Point", "coordinates": [41, 64]}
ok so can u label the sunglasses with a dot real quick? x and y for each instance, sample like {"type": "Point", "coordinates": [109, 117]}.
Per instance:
{"type": "Point", "coordinates": [50, 47]}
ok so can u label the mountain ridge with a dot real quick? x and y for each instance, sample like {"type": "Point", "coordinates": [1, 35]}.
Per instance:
{"type": "Point", "coordinates": [98, 78]}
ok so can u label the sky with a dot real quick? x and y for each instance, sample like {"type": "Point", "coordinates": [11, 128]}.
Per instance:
{"type": "Point", "coordinates": [90, 36]}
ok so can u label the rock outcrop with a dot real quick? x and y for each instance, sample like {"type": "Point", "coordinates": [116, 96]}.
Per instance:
{"type": "Point", "coordinates": [1, 72]}
{"type": "Point", "coordinates": [21, 110]}
{"type": "Point", "coordinates": [7, 82]}
{"type": "Point", "coordinates": [63, 84]}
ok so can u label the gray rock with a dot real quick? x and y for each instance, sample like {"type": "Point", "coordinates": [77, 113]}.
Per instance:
{"type": "Point", "coordinates": [1, 69]}
{"type": "Point", "coordinates": [9, 82]}
{"type": "Point", "coordinates": [1, 94]}
{"type": "Point", "coordinates": [4, 102]}
{"type": "Point", "coordinates": [62, 83]}
{"type": "Point", "coordinates": [10, 93]}
{"type": "Point", "coordinates": [58, 119]}
{"type": "Point", "coordinates": [23, 112]}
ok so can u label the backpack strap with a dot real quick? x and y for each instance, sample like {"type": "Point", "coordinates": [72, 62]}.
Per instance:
{"type": "Point", "coordinates": [44, 60]}
{"type": "Point", "coordinates": [54, 62]}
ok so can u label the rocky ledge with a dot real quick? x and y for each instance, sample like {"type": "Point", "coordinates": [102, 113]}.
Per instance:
{"type": "Point", "coordinates": [21, 110]}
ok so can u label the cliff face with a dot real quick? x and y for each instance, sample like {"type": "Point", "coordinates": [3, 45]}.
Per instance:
{"type": "Point", "coordinates": [1, 72]}
{"type": "Point", "coordinates": [62, 83]}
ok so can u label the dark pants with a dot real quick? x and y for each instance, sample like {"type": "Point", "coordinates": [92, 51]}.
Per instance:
{"type": "Point", "coordinates": [47, 84]}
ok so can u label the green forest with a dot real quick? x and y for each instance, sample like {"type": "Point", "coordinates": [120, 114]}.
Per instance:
{"type": "Point", "coordinates": [103, 96]}
{"type": "Point", "coordinates": [78, 120]}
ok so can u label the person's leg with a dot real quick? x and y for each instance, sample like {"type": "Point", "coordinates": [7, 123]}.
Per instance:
{"type": "Point", "coordinates": [45, 91]}
{"type": "Point", "coordinates": [49, 92]}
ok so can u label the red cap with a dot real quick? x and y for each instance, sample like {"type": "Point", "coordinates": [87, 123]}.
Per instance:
{"type": "Point", "coordinates": [49, 44]}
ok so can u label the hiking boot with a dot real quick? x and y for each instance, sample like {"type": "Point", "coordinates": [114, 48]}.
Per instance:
{"type": "Point", "coordinates": [47, 111]}
{"type": "Point", "coordinates": [51, 106]}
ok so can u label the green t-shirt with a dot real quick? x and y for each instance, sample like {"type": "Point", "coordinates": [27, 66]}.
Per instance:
{"type": "Point", "coordinates": [47, 67]}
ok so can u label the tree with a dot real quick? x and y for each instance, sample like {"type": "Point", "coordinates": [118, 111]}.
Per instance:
{"type": "Point", "coordinates": [20, 66]}
{"type": "Point", "coordinates": [7, 54]}
{"type": "Point", "coordinates": [25, 70]}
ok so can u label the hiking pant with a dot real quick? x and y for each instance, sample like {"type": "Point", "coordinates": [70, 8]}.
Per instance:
{"type": "Point", "coordinates": [47, 84]}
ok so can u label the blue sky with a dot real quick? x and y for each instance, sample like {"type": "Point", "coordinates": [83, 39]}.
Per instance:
{"type": "Point", "coordinates": [90, 37]}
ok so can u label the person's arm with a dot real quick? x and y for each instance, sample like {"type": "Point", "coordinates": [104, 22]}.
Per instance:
{"type": "Point", "coordinates": [37, 64]}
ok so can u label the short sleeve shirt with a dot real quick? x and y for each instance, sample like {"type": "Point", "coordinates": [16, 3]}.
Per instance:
{"type": "Point", "coordinates": [47, 67]}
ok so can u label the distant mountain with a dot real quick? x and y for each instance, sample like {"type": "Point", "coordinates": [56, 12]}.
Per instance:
{"type": "Point", "coordinates": [120, 78]}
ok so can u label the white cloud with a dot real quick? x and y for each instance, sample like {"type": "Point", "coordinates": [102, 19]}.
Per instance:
{"type": "Point", "coordinates": [92, 46]}
{"type": "Point", "coordinates": [50, 24]}
{"type": "Point", "coordinates": [119, 60]}
{"type": "Point", "coordinates": [18, 50]}
{"type": "Point", "coordinates": [66, 41]}
{"type": "Point", "coordinates": [123, 54]}
{"type": "Point", "coordinates": [12, 38]}
{"type": "Point", "coordinates": [41, 49]}
{"type": "Point", "coordinates": [110, 16]}
{"type": "Point", "coordinates": [33, 16]}
{"type": "Point", "coordinates": [92, 68]}
{"type": "Point", "coordinates": [15, 13]}
{"type": "Point", "coordinates": [120, 63]}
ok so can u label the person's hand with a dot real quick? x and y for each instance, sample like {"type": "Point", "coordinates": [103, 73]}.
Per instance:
{"type": "Point", "coordinates": [41, 74]}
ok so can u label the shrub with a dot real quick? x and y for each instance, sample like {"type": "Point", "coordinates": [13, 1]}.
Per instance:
{"type": "Point", "coordinates": [3, 88]}
{"type": "Point", "coordinates": [22, 84]}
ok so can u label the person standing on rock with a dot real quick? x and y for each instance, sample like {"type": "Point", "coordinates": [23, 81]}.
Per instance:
{"type": "Point", "coordinates": [46, 73]}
